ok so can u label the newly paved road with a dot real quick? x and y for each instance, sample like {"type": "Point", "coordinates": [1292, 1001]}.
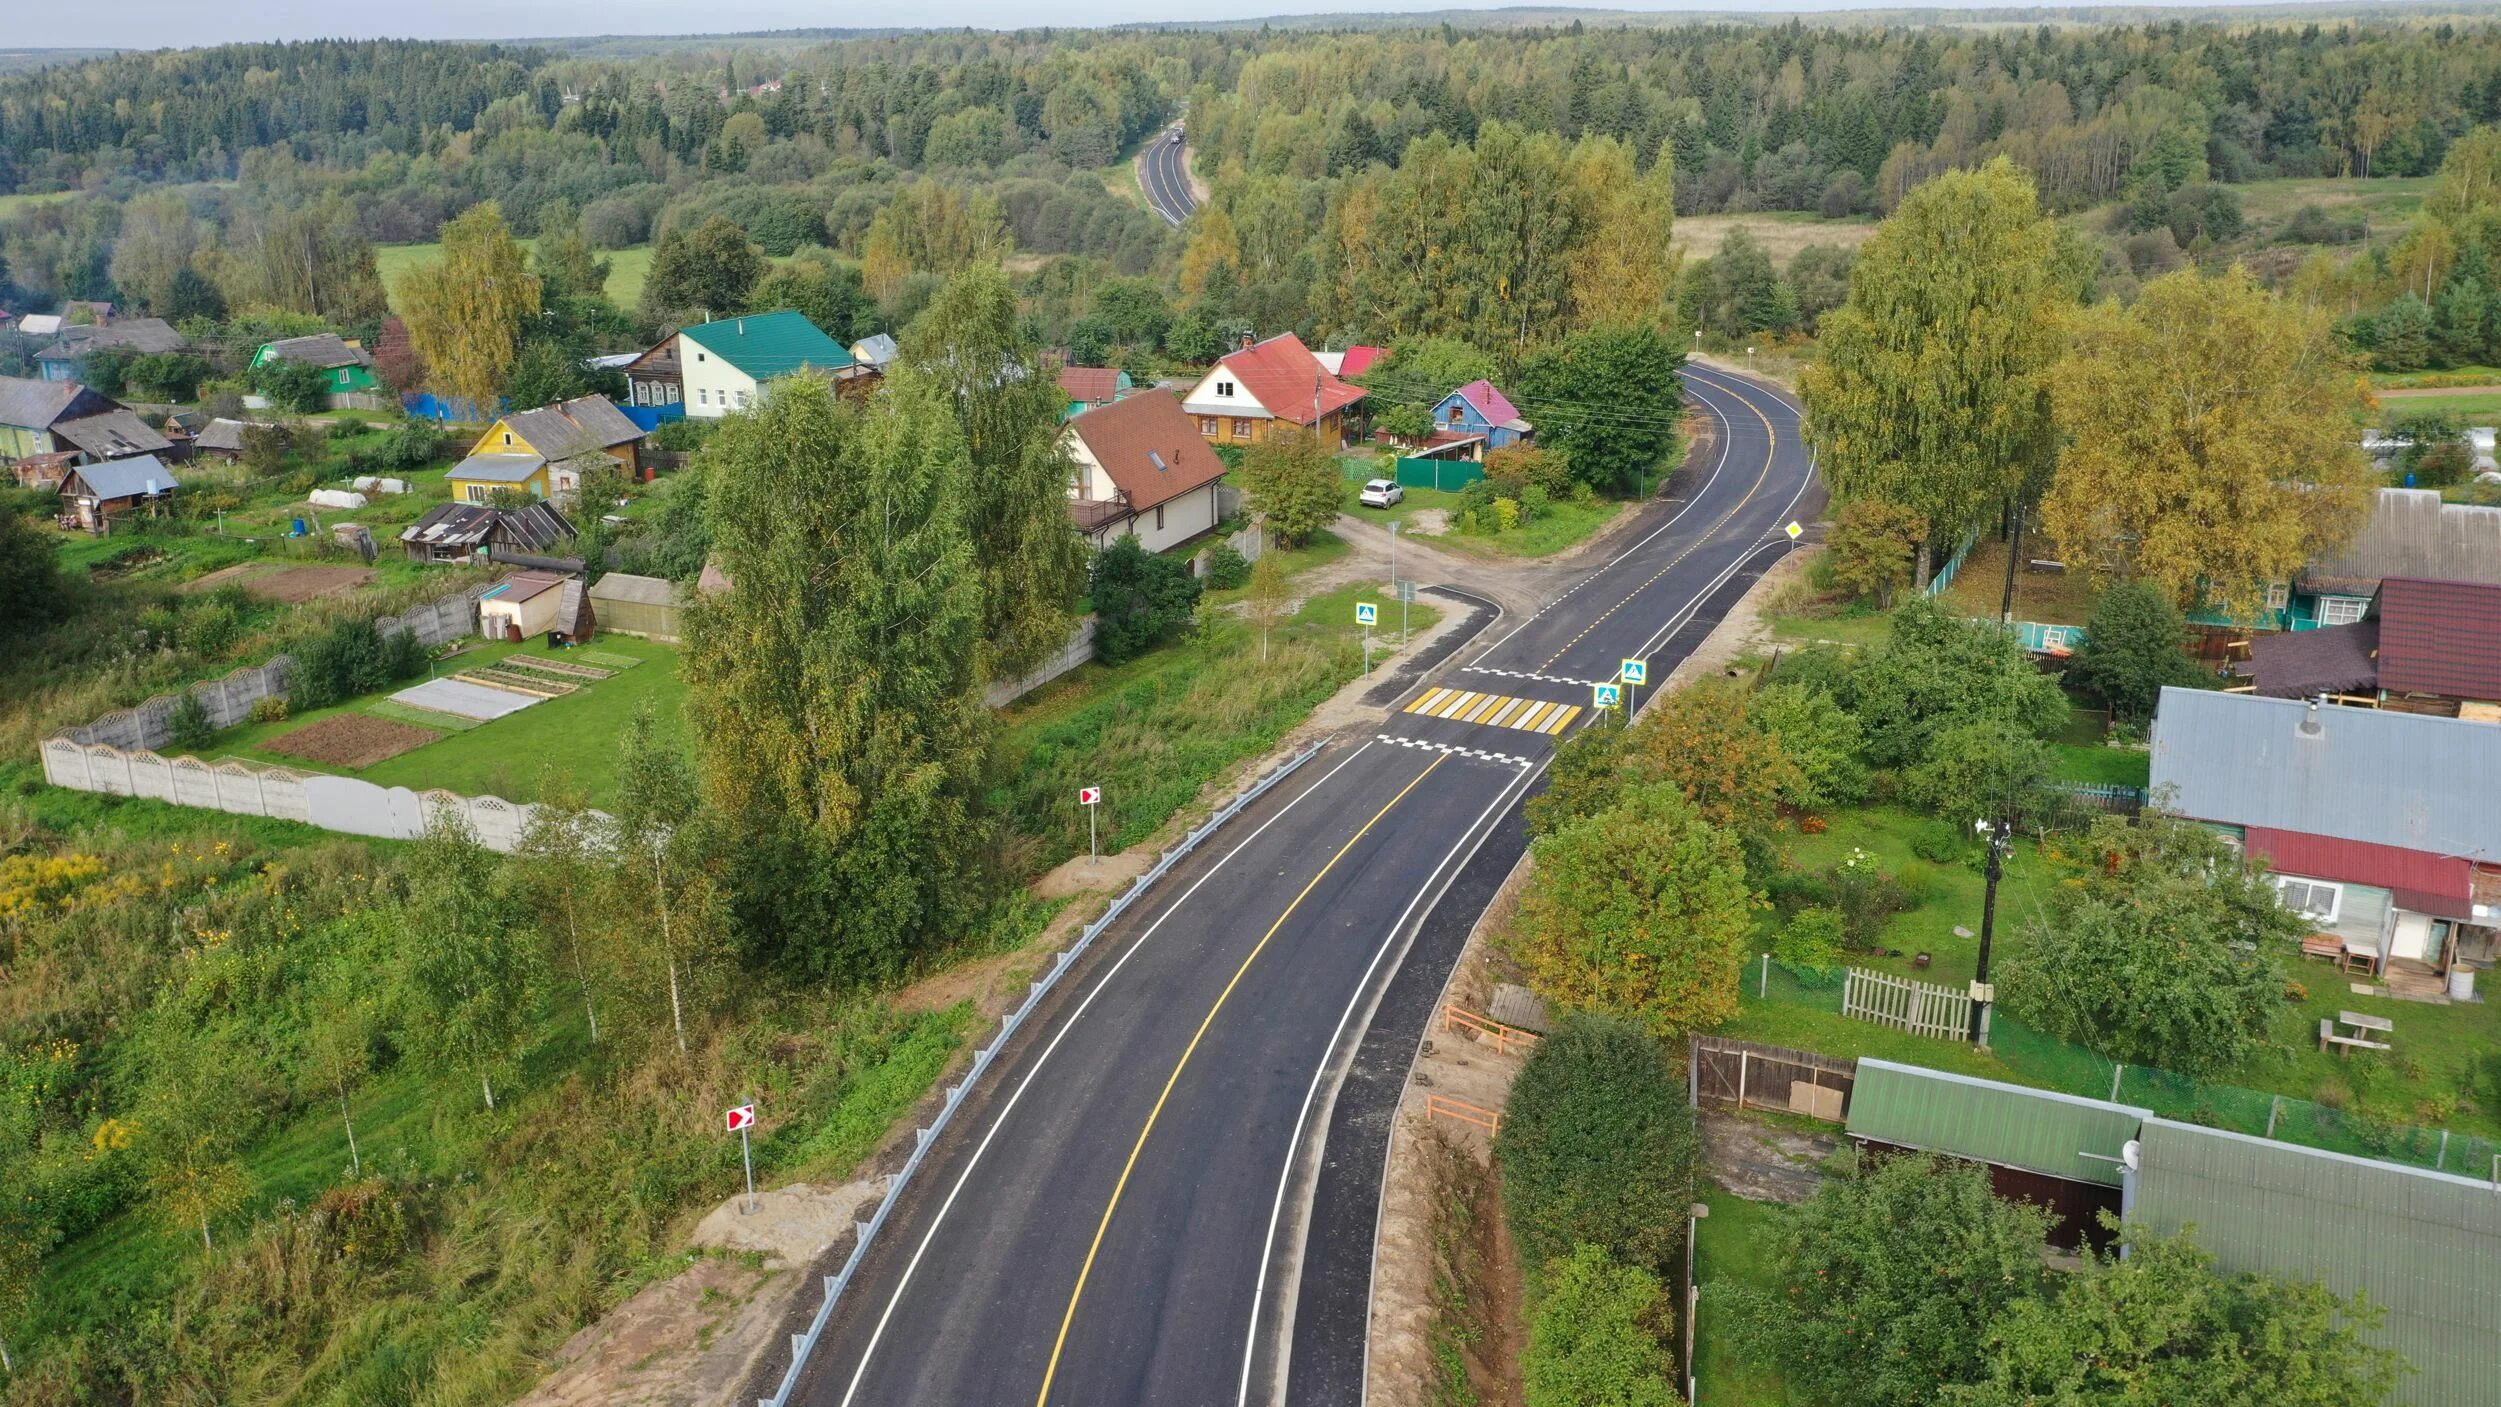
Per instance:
{"type": "Point", "coordinates": [1164, 1192]}
{"type": "Point", "coordinates": [1163, 170]}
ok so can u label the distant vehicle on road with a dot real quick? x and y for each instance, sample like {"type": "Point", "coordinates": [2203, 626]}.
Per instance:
{"type": "Point", "coordinates": [1381, 493]}
{"type": "Point", "coordinates": [1176, 136]}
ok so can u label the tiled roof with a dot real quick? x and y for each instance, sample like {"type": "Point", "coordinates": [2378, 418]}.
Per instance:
{"type": "Point", "coordinates": [2439, 637]}
{"type": "Point", "coordinates": [1090, 383]}
{"type": "Point", "coordinates": [2300, 664]}
{"type": "Point", "coordinates": [1149, 447]}
{"type": "Point", "coordinates": [1359, 359]}
{"type": "Point", "coordinates": [770, 344]}
{"type": "Point", "coordinates": [2441, 884]}
{"type": "Point", "coordinates": [36, 404]}
{"type": "Point", "coordinates": [1286, 379]}
{"type": "Point", "coordinates": [533, 526]}
{"type": "Point", "coordinates": [2390, 778]}
{"type": "Point", "coordinates": [144, 335]}
{"type": "Point", "coordinates": [224, 435]}
{"type": "Point", "coordinates": [321, 349]}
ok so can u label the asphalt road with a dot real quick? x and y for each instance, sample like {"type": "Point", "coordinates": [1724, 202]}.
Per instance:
{"type": "Point", "coordinates": [1163, 171]}
{"type": "Point", "coordinates": [1165, 1190]}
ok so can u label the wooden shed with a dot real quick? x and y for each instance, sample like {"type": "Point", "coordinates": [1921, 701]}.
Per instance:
{"type": "Point", "coordinates": [647, 606]}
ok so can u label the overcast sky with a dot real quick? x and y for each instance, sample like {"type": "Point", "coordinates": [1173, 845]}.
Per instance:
{"type": "Point", "coordinates": [154, 24]}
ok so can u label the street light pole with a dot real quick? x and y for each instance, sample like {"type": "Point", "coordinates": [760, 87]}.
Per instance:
{"type": "Point", "coordinates": [1982, 994]}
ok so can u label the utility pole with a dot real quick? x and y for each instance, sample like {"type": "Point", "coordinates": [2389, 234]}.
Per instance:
{"type": "Point", "coordinates": [1982, 994]}
{"type": "Point", "coordinates": [2014, 553]}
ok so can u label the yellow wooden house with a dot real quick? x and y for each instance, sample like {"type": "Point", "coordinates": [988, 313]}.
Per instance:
{"type": "Point", "coordinates": [535, 452]}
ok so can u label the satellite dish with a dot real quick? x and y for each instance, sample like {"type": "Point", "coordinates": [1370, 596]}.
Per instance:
{"type": "Point", "coordinates": [2132, 1155]}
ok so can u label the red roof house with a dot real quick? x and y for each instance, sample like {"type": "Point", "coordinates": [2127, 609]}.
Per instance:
{"type": "Point", "coordinates": [1263, 385]}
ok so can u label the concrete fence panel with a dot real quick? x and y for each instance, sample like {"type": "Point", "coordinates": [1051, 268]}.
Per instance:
{"type": "Point", "coordinates": [151, 776]}
{"type": "Point", "coordinates": [1077, 651]}
{"type": "Point", "coordinates": [194, 784]}
{"type": "Point", "coordinates": [239, 790]}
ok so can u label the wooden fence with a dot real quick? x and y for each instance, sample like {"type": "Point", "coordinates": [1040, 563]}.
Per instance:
{"type": "Point", "coordinates": [1503, 1038]}
{"type": "Point", "coordinates": [1921, 1008]}
{"type": "Point", "coordinates": [1743, 1075]}
{"type": "Point", "coordinates": [1442, 1106]}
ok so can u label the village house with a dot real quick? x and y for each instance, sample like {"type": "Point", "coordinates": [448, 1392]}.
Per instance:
{"type": "Point", "coordinates": [2381, 827]}
{"type": "Point", "coordinates": [2410, 532]}
{"type": "Point", "coordinates": [540, 452]}
{"type": "Point", "coordinates": [2422, 646]}
{"type": "Point", "coordinates": [1263, 385]}
{"type": "Point", "coordinates": [1352, 362]}
{"type": "Point", "coordinates": [54, 417]}
{"type": "Point", "coordinates": [537, 603]}
{"type": "Point", "coordinates": [93, 496]}
{"type": "Point", "coordinates": [222, 438]}
{"type": "Point", "coordinates": [138, 336]}
{"type": "Point", "coordinates": [875, 351]}
{"type": "Point", "coordinates": [470, 532]}
{"type": "Point", "coordinates": [1480, 411]}
{"type": "Point", "coordinates": [714, 368]}
{"type": "Point", "coordinates": [349, 367]}
{"type": "Point", "coordinates": [1089, 386]}
{"type": "Point", "coordinates": [1143, 472]}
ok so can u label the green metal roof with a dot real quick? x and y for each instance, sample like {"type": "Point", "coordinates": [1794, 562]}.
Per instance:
{"type": "Point", "coordinates": [2426, 1246]}
{"type": "Point", "coordinates": [770, 344]}
{"type": "Point", "coordinates": [2037, 1130]}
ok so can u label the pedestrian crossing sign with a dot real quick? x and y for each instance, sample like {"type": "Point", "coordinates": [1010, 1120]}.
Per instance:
{"type": "Point", "coordinates": [1367, 613]}
{"type": "Point", "coordinates": [1636, 671]}
{"type": "Point", "coordinates": [1604, 695]}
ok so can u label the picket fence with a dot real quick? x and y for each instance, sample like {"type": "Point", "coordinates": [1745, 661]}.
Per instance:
{"type": "Point", "coordinates": [1921, 1008]}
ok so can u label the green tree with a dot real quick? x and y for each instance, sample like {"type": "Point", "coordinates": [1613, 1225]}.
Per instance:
{"type": "Point", "coordinates": [1821, 741]}
{"type": "Point", "coordinates": [1640, 911]}
{"type": "Point", "coordinates": [1140, 599]}
{"type": "Point", "coordinates": [705, 272]}
{"type": "Point", "coordinates": [193, 1118]}
{"type": "Point", "coordinates": [563, 868]}
{"type": "Point", "coordinates": [1598, 1337]}
{"type": "Point", "coordinates": [1419, 371]}
{"type": "Point", "coordinates": [1930, 392]}
{"type": "Point", "coordinates": [2162, 1325]}
{"type": "Point", "coordinates": [341, 1022]}
{"type": "Point", "coordinates": [1982, 767]}
{"type": "Point", "coordinates": [664, 896]}
{"type": "Point", "coordinates": [469, 965]}
{"type": "Point", "coordinates": [466, 311]}
{"type": "Point", "coordinates": [1295, 484]}
{"type": "Point", "coordinates": [967, 349]}
{"type": "Point", "coordinates": [2192, 491]}
{"type": "Point", "coordinates": [2132, 648]}
{"type": "Point", "coordinates": [190, 296]}
{"type": "Point", "coordinates": [1888, 1284]}
{"type": "Point", "coordinates": [292, 385]}
{"type": "Point", "coordinates": [30, 575]}
{"type": "Point", "coordinates": [2162, 953]}
{"type": "Point", "coordinates": [835, 686]}
{"type": "Point", "coordinates": [1873, 549]}
{"type": "Point", "coordinates": [1610, 400]}
{"type": "Point", "coordinates": [2401, 335]}
{"type": "Point", "coordinates": [568, 269]}
{"type": "Point", "coordinates": [1270, 600]}
{"type": "Point", "coordinates": [1598, 1147]}
{"type": "Point", "coordinates": [1935, 671]}
{"type": "Point", "coordinates": [823, 289]}
{"type": "Point", "coordinates": [543, 373]}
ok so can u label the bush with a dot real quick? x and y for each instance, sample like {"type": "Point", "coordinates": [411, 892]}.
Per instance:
{"type": "Point", "coordinates": [1140, 600]}
{"type": "Point", "coordinates": [1599, 1337]}
{"type": "Point", "coordinates": [189, 724]}
{"type": "Point", "coordinates": [682, 436]}
{"type": "Point", "coordinates": [1598, 1147]}
{"type": "Point", "coordinates": [270, 708]}
{"type": "Point", "coordinates": [1227, 568]}
{"type": "Point", "coordinates": [2131, 650]}
{"type": "Point", "coordinates": [350, 659]}
{"type": "Point", "coordinates": [405, 656]}
{"type": "Point", "coordinates": [347, 429]}
{"type": "Point", "coordinates": [292, 385]}
{"type": "Point", "coordinates": [1810, 942]}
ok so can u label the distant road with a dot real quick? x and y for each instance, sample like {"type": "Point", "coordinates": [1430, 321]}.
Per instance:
{"type": "Point", "coordinates": [1163, 169]}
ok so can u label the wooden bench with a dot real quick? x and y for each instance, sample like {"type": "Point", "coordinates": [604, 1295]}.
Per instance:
{"type": "Point", "coordinates": [2344, 1044]}
{"type": "Point", "coordinates": [2325, 946]}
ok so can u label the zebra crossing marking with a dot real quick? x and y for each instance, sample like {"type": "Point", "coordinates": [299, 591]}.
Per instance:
{"type": "Point", "coordinates": [1496, 710]}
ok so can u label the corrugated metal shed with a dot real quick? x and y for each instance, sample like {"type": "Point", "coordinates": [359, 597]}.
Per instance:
{"type": "Point", "coordinates": [2389, 778]}
{"type": "Point", "coordinates": [2033, 1129]}
{"type": "Point", "coordinates": [2424, 1245]}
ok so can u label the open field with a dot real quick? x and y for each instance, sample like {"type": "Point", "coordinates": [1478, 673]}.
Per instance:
{"type": "Point", "coordinates": [1782, 233]}
{"type": "Point", "coordinates": [2475, 406]}
{"type": "Point", "coordinates": [627, 268]}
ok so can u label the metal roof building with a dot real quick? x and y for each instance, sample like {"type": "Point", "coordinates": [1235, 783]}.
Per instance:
{"type": "Point", "coordinates": [2388, 778]}
{"type": "Point", "coordinates": [2038, 1130]}
{"type": "Point", "coordinates": [2425, 1246]}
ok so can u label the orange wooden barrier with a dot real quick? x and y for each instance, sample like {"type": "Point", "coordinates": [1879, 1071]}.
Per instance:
{"type": "Point", "coordinates": [1439, 1106]}
{"type": "Point", "coordinates": [1505, 1038]}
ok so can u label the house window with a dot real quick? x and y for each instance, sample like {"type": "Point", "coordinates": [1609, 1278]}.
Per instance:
{"type": "Point", "coordinates": [1241, 429]}
{"type": "Point", "coordinates": [2341, 610]}
{"type": "Point", "coordinates": [2279, 595]}
{"type": "Point", "coordinates": [703, 395]}
{"type": "Point", "coordinates": [477, 493]}
{"type": "Point", "coordinates": [742, 400]}
{"type": "Point", "coordinates": [1207, 425]}
{"type": "Point", "coordinates": [507, 437]}
{"type": "Point", "coordinates": [1224, 388]}
{"type": "Point", "coordinates": [699, 356]}
{"type": "Point", "coordinates": [2313, 899]}
{"type": "Point", "coordinates": [1159, 517]}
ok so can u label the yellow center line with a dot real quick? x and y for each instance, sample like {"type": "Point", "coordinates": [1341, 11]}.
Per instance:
{"type": "Point", "coordinates": [1060, 1345]}
{"type": "Point", "coordinates": [1771, 443]}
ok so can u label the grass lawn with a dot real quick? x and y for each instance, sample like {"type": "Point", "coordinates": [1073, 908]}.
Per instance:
{"type": "Point", "coordinates": [1781, 233]}
{"type": "Point", "coordinates": [2475, 407]}
{"type": "Point", "coordinates": [1732, 1246]}
{"type": "Point", "coordinates": [627, 268]}
{"type": "Point", "coordinates": [1564, 525]}
{"type": "Point", "coordinates": [1850, 627]}
{"type": "Point", "coordinates": [2052, 598]}
{"type": "Point", "coordinates": [2117, 766]}
{"type": "Point", "coordinates": [566, 742]}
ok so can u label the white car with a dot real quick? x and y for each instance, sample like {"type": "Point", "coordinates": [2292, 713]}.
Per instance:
{"type": "Point", "coordinates": [1381, 493]}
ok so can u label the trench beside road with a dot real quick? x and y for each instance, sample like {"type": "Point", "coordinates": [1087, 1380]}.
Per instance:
{"type": "Point", "coordinates": [1164, 1191]}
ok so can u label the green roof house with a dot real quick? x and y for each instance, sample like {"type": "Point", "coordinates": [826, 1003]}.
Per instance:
{"type": "Point", "coordinates": [725, 366]}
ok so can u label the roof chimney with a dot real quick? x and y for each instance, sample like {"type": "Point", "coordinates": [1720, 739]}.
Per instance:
{"type": "Point", "coordinates": [742, 327]}
{"type": "Point", "coordinates": [2310, 727]}
{"type": "Point", "coordinates": [1246, 339]}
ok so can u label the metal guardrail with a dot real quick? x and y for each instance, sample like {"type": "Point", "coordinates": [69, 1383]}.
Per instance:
{"type": "Point", "coordinates": [803, 1345]}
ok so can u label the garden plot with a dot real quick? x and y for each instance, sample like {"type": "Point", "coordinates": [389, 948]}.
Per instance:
{"type": "Point", "coordinates": [454, 696]}
{"type": "Point", "coordinates": [353, 740]}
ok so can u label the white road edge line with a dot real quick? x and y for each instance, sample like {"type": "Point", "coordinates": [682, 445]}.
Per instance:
{"type": "Point", "coordinates": [1727, 432]}
{"type": "Point", "coordinates": [999, 1119]}
{"type": "Point", "coordinates": [1435, 885]}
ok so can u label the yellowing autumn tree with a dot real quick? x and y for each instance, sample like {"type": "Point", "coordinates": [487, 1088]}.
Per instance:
{"type": "Point", "coordinates": [1213, 243]}
{"type": "Point", "coordinates": [2210, 434]}
{"type": "Point", "coordinates": [1624, 268]}
{"type": "Point", "coordinates": [930, 228]}
{"type": "Point", "coordinates": [465, 311]}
